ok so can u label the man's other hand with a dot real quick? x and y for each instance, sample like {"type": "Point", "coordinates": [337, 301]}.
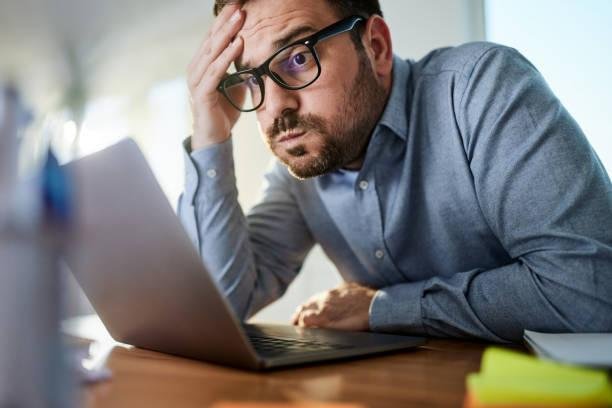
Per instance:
{"type": "Point", "coordinates": [346, 308]}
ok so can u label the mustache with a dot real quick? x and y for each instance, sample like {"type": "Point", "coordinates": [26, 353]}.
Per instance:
{"type": "Point", "coordinates": [292, 120]}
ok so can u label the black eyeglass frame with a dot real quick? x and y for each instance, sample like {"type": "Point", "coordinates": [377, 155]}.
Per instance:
{"type": "Point", "coordinates": [342, 26]}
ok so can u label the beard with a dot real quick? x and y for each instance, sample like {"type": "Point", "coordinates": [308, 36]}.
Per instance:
{"type": "Point", "coordinates": [344, 138]}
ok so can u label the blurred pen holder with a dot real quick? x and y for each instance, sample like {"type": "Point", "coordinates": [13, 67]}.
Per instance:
{"type": "Point", "coordinates": [33, 371]}
{"type": "Point", "coordinates": [32, 367]}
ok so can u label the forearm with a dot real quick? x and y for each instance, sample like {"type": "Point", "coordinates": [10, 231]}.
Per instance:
{"type": "Point", "coordinates": [495, 305]}
{"type": "Point", "coordinates": [213, 218]}
{"type": "Point", "coordinates": [241, 253]}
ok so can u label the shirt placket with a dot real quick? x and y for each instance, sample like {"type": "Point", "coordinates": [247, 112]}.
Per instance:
{"type": "Point", "coordinates": [372, 247]}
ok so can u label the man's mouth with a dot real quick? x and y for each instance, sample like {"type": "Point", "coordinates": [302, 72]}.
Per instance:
{"type": "Point", "coordinates": [290, 136]}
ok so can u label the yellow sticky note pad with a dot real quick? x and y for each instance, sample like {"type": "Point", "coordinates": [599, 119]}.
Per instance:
{"type": "Point", "coordinates": [509, 379]}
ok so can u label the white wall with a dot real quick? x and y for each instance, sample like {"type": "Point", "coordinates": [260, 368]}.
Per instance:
{"type": "Point", "coordinates": [417, 27]}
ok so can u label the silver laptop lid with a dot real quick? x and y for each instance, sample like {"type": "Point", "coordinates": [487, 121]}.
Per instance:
{"type": "Point", "coordinates": [138, 267]}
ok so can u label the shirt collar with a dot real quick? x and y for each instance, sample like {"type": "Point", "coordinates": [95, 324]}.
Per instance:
{"type": "Point", "coordinates": [395, 115]}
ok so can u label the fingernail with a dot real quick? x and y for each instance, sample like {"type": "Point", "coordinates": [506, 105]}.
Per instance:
{"type": "Point", "coordinates": [235, 17]}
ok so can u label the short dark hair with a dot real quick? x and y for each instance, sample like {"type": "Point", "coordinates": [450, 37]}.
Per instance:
{"type": "Point", "coordinates": [344, 8]}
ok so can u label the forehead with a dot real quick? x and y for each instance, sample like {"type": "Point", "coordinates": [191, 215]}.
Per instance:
{"type": "Point", "coordinates": [268, 21]}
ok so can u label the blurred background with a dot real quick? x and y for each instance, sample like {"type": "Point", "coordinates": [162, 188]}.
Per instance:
{"type": "Point", "coordinates": [97, 71]}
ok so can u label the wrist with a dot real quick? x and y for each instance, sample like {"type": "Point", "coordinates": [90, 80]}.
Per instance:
{"type": "Point", "coordinates": [200, 141]}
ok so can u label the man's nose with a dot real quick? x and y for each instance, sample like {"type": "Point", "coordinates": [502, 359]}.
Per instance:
{"type": "Point", "coordinates": [278, 99]}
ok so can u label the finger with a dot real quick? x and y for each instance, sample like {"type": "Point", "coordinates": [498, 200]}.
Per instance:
{"type": "Point", "coordinates": [226, 14]}
{"type": "Point", "coordinates": [296, 314]}
{"type": "Point", "coordinates": [311, 319]}
{"type": "Point", "coordinates": [218, 44]}
{"type": "Point", "coordinates": [309, 305]}
{"type": "Point", "coordinates": [301, 319]}
{"type": "Point", "coordinates": [219, 22]}
{"type": "Point", "coordinates": [216, 70]}
{"type": "Point", "coordinates": [295, 319]}
{"type": "Point", "coordinates": [222, 24]}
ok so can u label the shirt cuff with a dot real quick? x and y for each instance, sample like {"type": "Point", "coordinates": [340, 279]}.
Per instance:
{"type": "Point", "coordinates": [397, 309]}
{"type": "Point", "coordinates": [209, 172]}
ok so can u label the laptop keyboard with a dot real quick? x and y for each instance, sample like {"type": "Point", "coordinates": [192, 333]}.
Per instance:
{"type": "Point", "coordinates": [277, 345]}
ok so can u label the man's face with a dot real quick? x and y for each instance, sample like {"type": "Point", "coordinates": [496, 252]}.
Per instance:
{"type": "Point", "coordinates": [327, 125]}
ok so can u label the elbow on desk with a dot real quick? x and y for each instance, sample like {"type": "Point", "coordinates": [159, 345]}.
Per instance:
{"type": "Point", "coordinates": [573, 310]}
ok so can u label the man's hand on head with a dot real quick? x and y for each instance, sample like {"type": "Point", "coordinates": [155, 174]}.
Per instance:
{"type": "Point", "coordinates": [346, 308]}
{"type": "Point", "coordinates": [213, 116]}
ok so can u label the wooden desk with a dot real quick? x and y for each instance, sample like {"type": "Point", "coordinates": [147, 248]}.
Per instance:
{"type": "Point", "coordinates": [431, 376]}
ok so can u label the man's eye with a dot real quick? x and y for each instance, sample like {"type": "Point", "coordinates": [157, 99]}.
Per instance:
{"type": "Point", "coordinates": [299, 59]}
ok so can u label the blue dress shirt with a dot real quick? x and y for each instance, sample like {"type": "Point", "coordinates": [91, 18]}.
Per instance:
{"type": "Point", "coordinates": [480, 210]}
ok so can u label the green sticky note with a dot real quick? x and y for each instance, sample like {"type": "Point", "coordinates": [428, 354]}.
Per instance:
{"type": "Point", "coordinates": [507, 377]}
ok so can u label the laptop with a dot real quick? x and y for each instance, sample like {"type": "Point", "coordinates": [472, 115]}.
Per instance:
{"type": "Point", "coordinates": [145, 279]}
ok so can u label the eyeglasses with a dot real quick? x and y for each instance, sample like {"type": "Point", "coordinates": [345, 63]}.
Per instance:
{"type": "Point", "coordinates": [294, 66]}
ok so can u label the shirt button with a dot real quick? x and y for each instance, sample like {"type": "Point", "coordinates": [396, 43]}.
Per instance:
{"type": "Point", "coordinates": [364, 185]}
{"type": "Point", "coordinates": [212, 173]}
{"type": "Point", "coordinates": [379, 254]}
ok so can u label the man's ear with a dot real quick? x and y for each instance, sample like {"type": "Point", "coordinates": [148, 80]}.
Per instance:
{"type": "Point", "coordinates": [377, 42]}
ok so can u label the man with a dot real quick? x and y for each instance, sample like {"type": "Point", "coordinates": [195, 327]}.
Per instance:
{"type": "Point", "coordinates": [455, 195]}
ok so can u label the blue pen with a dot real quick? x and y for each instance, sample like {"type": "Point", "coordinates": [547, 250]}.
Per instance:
{"type": "Point", "coordinates": [56, 194]}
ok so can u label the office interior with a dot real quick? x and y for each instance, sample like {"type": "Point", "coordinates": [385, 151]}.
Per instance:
{"type": "Point", "coordinates": [94, 72]}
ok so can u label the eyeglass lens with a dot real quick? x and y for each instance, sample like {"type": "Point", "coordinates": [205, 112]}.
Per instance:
{"type": "Point", "coordinates": [294, 67]}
